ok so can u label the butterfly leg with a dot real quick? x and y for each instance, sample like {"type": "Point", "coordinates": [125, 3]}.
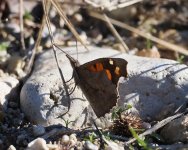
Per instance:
{"type": "Point", "coordinates": [70, 79]}
{"type": "Point", "coordinates": [72, 90]}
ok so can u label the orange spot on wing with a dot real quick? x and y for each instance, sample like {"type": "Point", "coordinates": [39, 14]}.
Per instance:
{"type": "Point", "coordinates": [117, 71]}
{"type": "Point", "coordinates": [96, 67]}
{"type": "Point", "coordinates": [99, 67]}
{"type": "Point", "coordinates": [109, 75]}
{"type": "Point", "coordinates": [92, 68]}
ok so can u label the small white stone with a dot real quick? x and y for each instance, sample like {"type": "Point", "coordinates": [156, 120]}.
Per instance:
{"type": "Point", "coordinates": [90, 146]}
{"type": "Point", "coordinates": [11, 147]}
{"type": "Point", "coordinates": [72, 142]}
{"type": "Point", "coordinates": [113, 146]}
{"type": "Point", "coordinates": [65, 139]}
{"type": "Point", "coordinates": [73, 139]}
{"type": "Point", "coordinates": [37, 144]}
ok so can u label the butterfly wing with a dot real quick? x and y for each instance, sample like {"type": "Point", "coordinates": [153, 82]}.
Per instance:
{"type": "Point", "coordinates": [98, 81]}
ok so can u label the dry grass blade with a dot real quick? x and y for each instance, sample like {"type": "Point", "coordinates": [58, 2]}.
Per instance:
{"type": "Point", "coordinates": [94, 5]}
{"type": "Point", "coordinates": [124, 4]}
{"type": "Point", "coordinates": [168, 45]}
{"type": "Point", "coordinates": [56, 4]}
{"type": "Point", "coordinates": [22, 26]}
{"type": "Point", "coordinates": [115, 33]}
{"type": "Point", "coordinates": [112, 7]}
{"type": "Point", "coordinates": [34, 50]}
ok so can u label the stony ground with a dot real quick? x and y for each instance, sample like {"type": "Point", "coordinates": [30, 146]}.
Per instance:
{"type": "Point", "coordinates": [154, 17]}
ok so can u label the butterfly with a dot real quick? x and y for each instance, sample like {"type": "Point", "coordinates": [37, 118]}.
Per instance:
{"type": "Point", "coordinates": [98, 81]}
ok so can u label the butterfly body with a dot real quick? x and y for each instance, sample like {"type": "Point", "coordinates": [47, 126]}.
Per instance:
{"type": "Point", "coordinates": [98, 81]}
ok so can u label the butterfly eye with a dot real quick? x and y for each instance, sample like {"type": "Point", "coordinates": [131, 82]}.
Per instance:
{"type": "Point", "coordinates": [117, 69]}
{"type": "Point", "coordinates": [111, 62]}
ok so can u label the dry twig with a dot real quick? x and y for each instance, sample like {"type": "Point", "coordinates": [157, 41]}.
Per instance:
{"type": "Point", "coordinates": [56, 4]}
{"type": "Point", "coordinates": [115, 33]}
{"type": "Point", "coordinates": [168, 45]}
{"type": "Point", "coordinates": [34, 50]}
{"type": "Point", "coordinates": [21, 26]}
{"type": "Point", "coordinates": [123, 4]}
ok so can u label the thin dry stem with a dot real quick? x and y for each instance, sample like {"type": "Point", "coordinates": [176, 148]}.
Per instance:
{"type": "Point", "coordinates": [124, 4]}
{"type": "Point", "coordinates": [168, 45]}
{"type": "Point", "coordinates": [22, 26]}
{"type": "Point", "coordinates": [115, 33]}
{"type": "Point", "coordinates": [112, 7]}
{"type": "Point", "coordinates": [34, 51]}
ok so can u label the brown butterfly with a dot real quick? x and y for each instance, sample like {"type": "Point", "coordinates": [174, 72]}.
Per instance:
{"type": "Point", "coordinates": [98, 80]}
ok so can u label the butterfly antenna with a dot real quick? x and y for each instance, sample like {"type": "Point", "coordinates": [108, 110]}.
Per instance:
{"type": "Point", "coordinates": [61, 49]}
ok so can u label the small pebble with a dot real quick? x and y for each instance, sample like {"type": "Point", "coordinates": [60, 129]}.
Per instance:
{"type": "Point", "coordinates": [90, 146]}
{"type": "Point", "coordinates": [37, 144]}
{"type": "Point", "coordinates": [65, 139]}
{"type": "Point", "coordinates": [73, 138]}
{"type": "Point", "coordinates": [38, 130]}
{"type": "Point", "coordinates": [11, 147]}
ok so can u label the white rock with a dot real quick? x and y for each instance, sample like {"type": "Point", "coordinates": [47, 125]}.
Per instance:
{"type": "Point", "coordinates": [176, 130]}
{"type": "Point", "coordinates": [90, 146]}
{"type": "Point", "coordinates": [7, 84]}
{"type": "Point", "coordinates": [38, 143]}
{"type": "Point", "coordinates": [11, 147]}
{"type": "Point", "coordinates": [65, 139]}
{"type": "Point", "coordinates": [153, 86]}
{"type": "Point", "coordinates": [73, 139]}
{"type": "Point", "coordinates": [113, 146]}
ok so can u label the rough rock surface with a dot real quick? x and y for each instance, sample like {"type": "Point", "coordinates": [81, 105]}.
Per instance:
{"type": "Point", "coordinates": [155, 87]}
{"type": "Point", "coordinates": [176, 131]}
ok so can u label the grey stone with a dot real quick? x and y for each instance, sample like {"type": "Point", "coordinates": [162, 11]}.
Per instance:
{"type": "Point", "coordinates": [176, 130]}
{"type": "Point", "coordinates": [38, 130]}
{"type": "Point", "coordinates": [155, 87]}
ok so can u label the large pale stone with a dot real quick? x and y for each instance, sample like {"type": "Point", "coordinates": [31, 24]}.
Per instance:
{"type": "Point", "coordinates": [155, 87]}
